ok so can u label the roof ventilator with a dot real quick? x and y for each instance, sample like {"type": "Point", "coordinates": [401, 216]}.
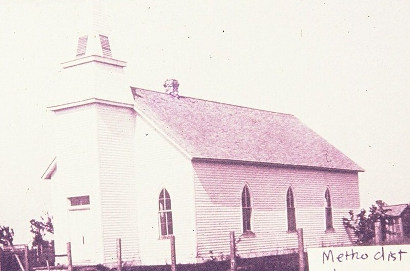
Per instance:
{"type": "Point", "coordinates": [171, 87]}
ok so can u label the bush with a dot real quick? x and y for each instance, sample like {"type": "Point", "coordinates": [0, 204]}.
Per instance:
{"type": "Point", "coordinates": [6, 236]}
{"type": "Point", "coordinates": [363, 223]}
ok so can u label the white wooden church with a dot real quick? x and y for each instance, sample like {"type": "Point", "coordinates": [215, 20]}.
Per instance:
{"type": "Point", "coordinates": [142, 165]}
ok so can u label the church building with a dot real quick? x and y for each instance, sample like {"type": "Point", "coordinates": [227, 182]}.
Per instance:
{"type": "Point", "coordinates": [143, 165]}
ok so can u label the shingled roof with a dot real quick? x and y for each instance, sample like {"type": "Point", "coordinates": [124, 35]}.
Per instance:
{"type": "Point", "coordinates": [395, 210]}
{"type": "Point", "coordinates": [218, 131]}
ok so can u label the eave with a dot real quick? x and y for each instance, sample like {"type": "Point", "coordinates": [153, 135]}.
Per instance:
{"type": "Point", "coordinates": [49, 172]}
{"type": "Point", "coordinates": [94, 58]}
{"type": "Point", "coordinates": [268, 164]}
{"type": "Point", "coordinates": [89, 101]}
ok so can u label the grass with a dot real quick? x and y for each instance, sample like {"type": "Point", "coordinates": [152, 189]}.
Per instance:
{"type": "Point", "coordinates": [269, 263]}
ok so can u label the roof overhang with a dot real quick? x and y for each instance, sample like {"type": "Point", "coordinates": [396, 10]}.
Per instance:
{"type": "Point", "coordinates": [266, 164]}
{"type": "Point", "coordinates": [89, 101]}
{"type": "Point", "coordinates": [49, 172]}
{"type": "Point", "coordinates": [94, 58]}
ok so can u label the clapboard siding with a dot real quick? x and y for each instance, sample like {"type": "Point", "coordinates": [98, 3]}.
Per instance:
{"type": "Point", "coordinates": [160, 165]}
{"type": "Point", "coordinates": [218, 188]}
{"type": "Point", "coordinates": [116, 143]}
{"type": "Point", "coordinates": [123, 162]}
{"type": "Point", "coordinates": [76, 152]}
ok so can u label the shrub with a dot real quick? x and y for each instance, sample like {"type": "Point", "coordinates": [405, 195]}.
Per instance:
{"type": "Point", "coordinates": [6, 236]}
{"type": "Point", "coordinates": [363, 223]}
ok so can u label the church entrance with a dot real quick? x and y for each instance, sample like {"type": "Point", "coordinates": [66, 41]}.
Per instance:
{"type": "Point", "coordinates": [81, 235]}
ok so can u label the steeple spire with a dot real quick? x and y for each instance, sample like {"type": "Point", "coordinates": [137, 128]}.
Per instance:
{"type": "Point", "coordinates": [93, 73]}
{"type": "Point", "coordinates": [95, 40]}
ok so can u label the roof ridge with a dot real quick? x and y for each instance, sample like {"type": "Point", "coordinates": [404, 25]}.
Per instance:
{"type": "Point", "coordinates": [398, 204]}
{"type": "Point", "coordinates": [217, 102]}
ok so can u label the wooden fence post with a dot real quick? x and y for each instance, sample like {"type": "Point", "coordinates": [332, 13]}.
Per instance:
{"type": "Point", "coordinates": [173, 254]}
{"type": "Point", "coordinates": [232, 251]}
{"type": "Point", "coordinates": [378, 236]}
{"type": "Point", "coordinates": [301, 250]}
{"type": "Point", "coordinates": [26, 263]}
{"type": "Point", "coordinates": [17, 258]}
{"type": "Point", "coordinates": [119, 255]}
{"type": "Point", "coordinates": [69, 257]}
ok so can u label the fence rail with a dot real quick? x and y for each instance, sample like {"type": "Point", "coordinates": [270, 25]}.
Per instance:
{"type": "Point", "coordinates": [236, 264]}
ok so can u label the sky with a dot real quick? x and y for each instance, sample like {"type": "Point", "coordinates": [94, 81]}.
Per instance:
{"type": "Point", "coordinates": [341, 67]}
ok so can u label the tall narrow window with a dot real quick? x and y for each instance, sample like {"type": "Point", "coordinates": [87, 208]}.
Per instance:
{"type": "Point", "coordinates": [328, 211]}
{"type": "Point", "coordinates": [290, 204]}
{"type": "Point", "coordinates": [165, 213]}
{"type": "Point", "coordinates": [246, 209]}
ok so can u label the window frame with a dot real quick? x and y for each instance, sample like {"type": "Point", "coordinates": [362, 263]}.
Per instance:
{"type": "Point", "coordinates": [328, 211]}
{"type": "Point", "coordinates": [79, 202]}
{"type": "Point", "coordinates": [290, 210]}
{"type": "Point", "coordinates": [165, 220]}
{"type": "Point", "coordinates": [246, 207]}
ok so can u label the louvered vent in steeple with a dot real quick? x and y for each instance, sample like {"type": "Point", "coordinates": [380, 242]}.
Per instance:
{"type": "Point", "coordinates": [82, 45]}
{"type": "Point", "coordinates": [105, 46]}
{"type": "Point", "coordinates": [93, 73]}
{"type": "Point", "coordinates": [93, 42]}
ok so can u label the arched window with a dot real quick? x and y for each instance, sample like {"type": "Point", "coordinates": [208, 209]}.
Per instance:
{"type": "Point", "coordinates": [328, 211]}
{"type": "Point", "coordinates": [165, 213]}
{"type": "Point", "coordinates": [290, 204]}
{"type": "Point", "coordinates": [246, 209]}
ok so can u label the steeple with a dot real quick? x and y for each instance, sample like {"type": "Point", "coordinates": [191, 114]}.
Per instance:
{"type": "Point", "coordinates": [93, 73]}
{"type": "Point", "coordinates": [93, 42]}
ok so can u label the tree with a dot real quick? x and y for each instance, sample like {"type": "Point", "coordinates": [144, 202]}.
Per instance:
{"type": "Point", "coordinates": [6, 236]}
{"type": "Point", "coordinates": [363, 223]}
{"type": "Point", "coordinates": [39, 229]}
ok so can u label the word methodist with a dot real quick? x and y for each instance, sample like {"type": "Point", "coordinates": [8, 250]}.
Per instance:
{"type": "Point", "coordinates": [359, 258]}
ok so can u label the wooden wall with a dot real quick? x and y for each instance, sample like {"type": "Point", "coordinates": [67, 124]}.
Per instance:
{"type": "Point", "coordinates": [218, 188]}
